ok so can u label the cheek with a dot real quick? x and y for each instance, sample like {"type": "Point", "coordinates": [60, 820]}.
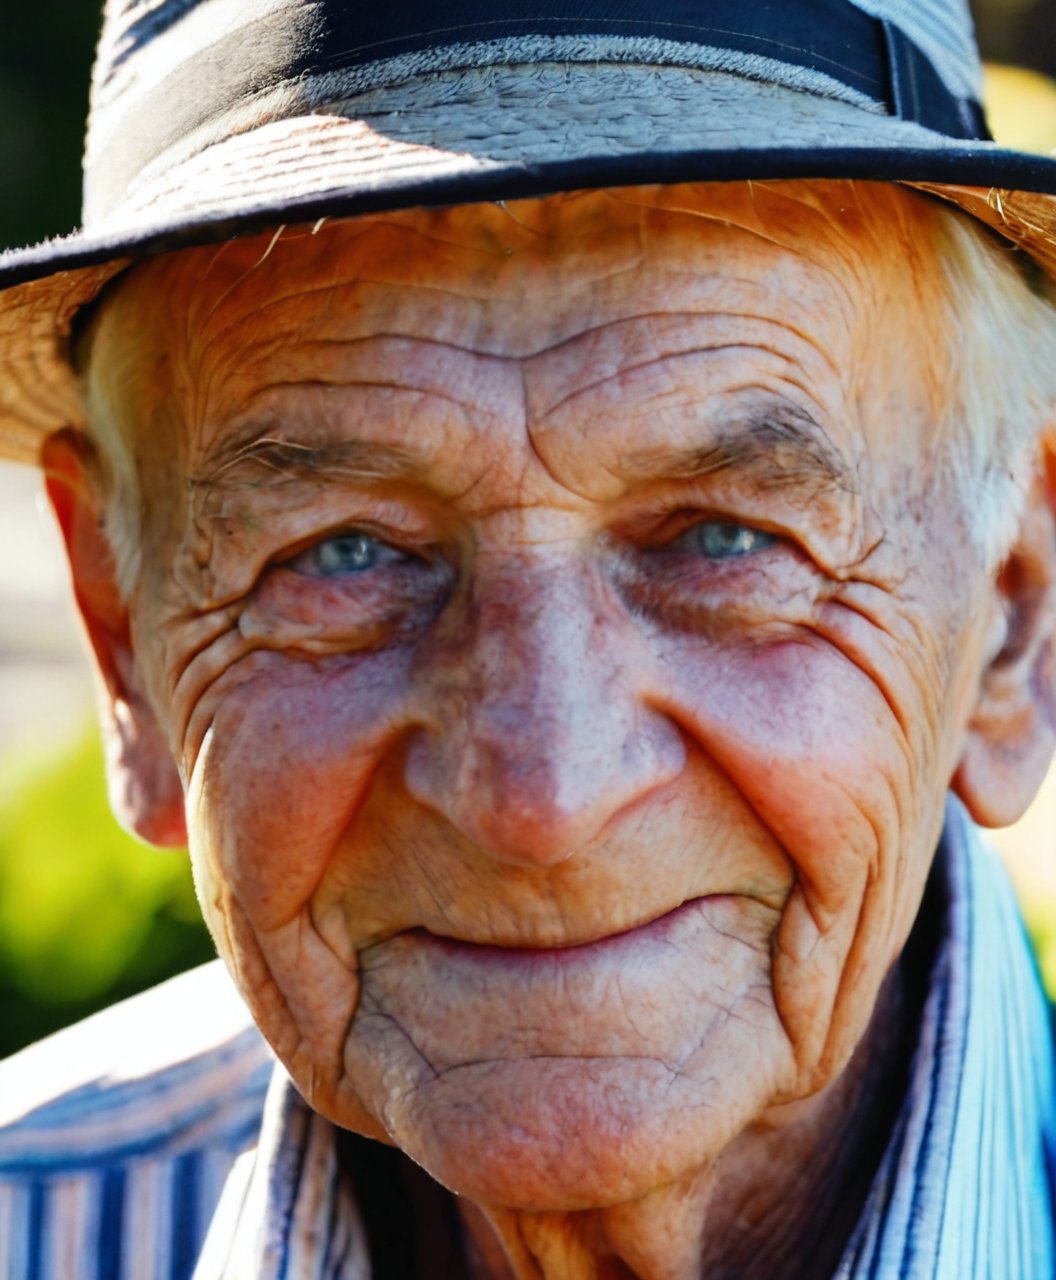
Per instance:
{"type": "Point", "coordinates": [816, 749]}
{"type": "Point", "coordinates": [289, 756]}
{"type": "Point", "coordinates": [809, 740]}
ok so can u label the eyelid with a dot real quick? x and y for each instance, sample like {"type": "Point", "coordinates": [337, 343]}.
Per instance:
{"type": "Point", "coordinates": [723, 523]}
{"type": "Point", "coordinates": [828, 541]}
{"type": "Point", "coordinates": [361, 528]}
{"type": "Point", "coordinates": [655, 522]}
{"type": "Point", "coordinates": [664, 528]}
{"type": "Point", "coordinates": [387, 553]}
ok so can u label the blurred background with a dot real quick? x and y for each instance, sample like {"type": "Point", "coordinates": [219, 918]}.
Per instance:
{"type": "Point", "coordinates": [87, 915]}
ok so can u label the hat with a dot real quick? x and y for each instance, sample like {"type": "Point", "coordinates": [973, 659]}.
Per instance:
{"type": "Point", "coordinates": [214, 118]}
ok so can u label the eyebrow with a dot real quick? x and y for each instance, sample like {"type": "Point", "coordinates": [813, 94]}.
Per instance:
{"type": "Point", "coordinates": [781, 446]}
{"type": "Point", "coordinates": [281, 459]}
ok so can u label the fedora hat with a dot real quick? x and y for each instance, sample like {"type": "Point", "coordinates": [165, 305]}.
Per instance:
{"type": "Point", "coordinates": [216, 118]}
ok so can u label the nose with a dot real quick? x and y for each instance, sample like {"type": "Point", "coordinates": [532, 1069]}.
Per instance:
{"type": "Point", "coordinates": [540, 729]}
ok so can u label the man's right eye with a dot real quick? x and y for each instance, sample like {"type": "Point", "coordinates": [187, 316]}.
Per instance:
{"type": "Point", "coordinates": [345, 554]}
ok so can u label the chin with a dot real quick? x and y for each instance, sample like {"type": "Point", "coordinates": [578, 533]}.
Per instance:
{"type": "Point", "coordinates": [566, 1135]}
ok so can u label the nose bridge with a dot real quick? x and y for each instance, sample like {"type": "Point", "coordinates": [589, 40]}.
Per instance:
{"type": "Point", "coordinates": [534, 631]}
{"type": "Point", "coordinates": [544, 735]}
{"type": "Point", "coordinates": [542, 702]}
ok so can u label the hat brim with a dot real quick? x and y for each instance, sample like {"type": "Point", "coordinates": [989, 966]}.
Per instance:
{"type": "Point", "coordinates": [532, 133]}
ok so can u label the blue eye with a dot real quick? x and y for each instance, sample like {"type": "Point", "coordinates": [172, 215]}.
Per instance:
{"type": "Point", "coordinates": [723, 540]}
{"type": "Point", "coordinates": [345, 554]}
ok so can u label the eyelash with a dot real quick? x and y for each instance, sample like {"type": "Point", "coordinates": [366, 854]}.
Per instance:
{"type": "Point", "coordinates": [667, 521]}
{"type": "Point", "coordinates": [687, 521]}
{"type": "Point", "coordinates": [387, 553]}
{"type": "Point", "coordinates": [726, 535]}
{"type": "Point", "coordinates": [663, 576]}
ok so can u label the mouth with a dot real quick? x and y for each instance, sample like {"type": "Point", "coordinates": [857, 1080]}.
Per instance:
{"type": "Point", "coordinates": [656, 929]}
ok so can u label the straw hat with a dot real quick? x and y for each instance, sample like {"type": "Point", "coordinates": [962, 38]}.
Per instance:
{"type": "Point", "coordinates": [213, 118]}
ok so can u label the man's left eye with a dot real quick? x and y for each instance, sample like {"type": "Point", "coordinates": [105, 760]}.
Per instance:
{"type": "Point", "coordinates": [345, 554]}
{"type": "Point", "coordinates": [722, 540]}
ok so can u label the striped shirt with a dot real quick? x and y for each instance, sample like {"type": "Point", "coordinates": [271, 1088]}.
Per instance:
{"type": "Point", "coordinates": [159, 1140]}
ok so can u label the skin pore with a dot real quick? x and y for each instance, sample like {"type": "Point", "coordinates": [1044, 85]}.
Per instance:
{"type": "Point", "coordinates": [564, 629]}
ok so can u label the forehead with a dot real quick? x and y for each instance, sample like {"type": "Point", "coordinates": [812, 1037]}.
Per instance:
{"type": "Point", "coordinates": [497, 255]}
{"type": "Point", "coordinates": [575, 288]}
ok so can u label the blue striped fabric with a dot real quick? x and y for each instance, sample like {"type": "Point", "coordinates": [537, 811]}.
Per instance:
{"type": "Point", "coordinates": [118, 1135]}
{"type": "Point", "coordinates": [159, 1141]}
{"type": "Point", "coordinates": [965, 1191]}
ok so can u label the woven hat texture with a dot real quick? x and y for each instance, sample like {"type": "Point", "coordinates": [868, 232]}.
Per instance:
{"type": "Point", "coordinates": [213, 118]}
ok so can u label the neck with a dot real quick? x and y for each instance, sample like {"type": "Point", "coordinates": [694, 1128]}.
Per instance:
{"type": "Point", "coordinates": [790, 1189]}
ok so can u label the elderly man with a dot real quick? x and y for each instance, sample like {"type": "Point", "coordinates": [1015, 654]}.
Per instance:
{"type": "Point", "coordinates": [564, 608]}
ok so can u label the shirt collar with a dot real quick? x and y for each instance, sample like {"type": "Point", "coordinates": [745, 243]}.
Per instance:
{"type": "Point", "coordinates": [964, 1188]}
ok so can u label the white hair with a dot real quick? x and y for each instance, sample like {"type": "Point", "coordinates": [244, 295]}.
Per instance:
{"type": "Point", "coordinates": [1002, 345]}
{"type": "Point", "coordinates": [1002, 351]}
{"type": "Point", "coordinates": [118, 482]}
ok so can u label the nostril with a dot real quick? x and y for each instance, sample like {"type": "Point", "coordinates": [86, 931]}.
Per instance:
{"type": "Point", "coordinates": [511, 808]}
{"type": "Point", "coordinates": [534, 825]}
{"type": "Point", "coordinates": [521, 803]}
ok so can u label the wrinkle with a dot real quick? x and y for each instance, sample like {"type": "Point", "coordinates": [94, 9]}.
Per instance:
{"type": "Point", "coordinates": [854, 655]}
{"type": "Point", "coordinates": [304, 736]}
{"type": "Point", "coordinates": [659, 362]}
{"type": "Point", "coordinates": [361, 384]}
{"type": "Point", "coordinates": [212, 663]}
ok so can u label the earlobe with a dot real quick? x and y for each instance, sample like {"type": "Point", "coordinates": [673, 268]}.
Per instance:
{"type": "Point", "coordinates": [145, 790]}
{"type": "Point", "coordinates": [1011, 736]}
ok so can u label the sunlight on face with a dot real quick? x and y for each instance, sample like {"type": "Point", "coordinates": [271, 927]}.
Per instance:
{"type": "Point", "coordinates": [565, 666]}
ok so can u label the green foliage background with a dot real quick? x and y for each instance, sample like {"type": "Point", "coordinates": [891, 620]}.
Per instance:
{"type": "Point", "coordinates": [87, 915]}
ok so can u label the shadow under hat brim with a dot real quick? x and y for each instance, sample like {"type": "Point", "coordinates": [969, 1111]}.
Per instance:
{"type": "Point", "coordinates": [345, 161]}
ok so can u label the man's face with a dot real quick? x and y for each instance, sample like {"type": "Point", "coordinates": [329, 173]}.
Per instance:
{"type": "Point", "coordinates": [566, 636]}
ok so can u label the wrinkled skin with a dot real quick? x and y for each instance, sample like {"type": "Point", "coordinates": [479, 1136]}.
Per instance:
{"type": "Point", "coordinates": [565, 633]}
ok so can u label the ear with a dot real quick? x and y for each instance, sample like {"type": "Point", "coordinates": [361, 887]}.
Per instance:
{"type": "Point", "coordinates": [1012, 734]}
{"type": "Point", "coordinates": [145, 791]}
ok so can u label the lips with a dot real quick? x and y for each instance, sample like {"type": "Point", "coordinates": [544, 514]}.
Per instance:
{"type": "Point", "coordinates": [658, 929]}
{"type": "Point", "coordinates": [648, 991]}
